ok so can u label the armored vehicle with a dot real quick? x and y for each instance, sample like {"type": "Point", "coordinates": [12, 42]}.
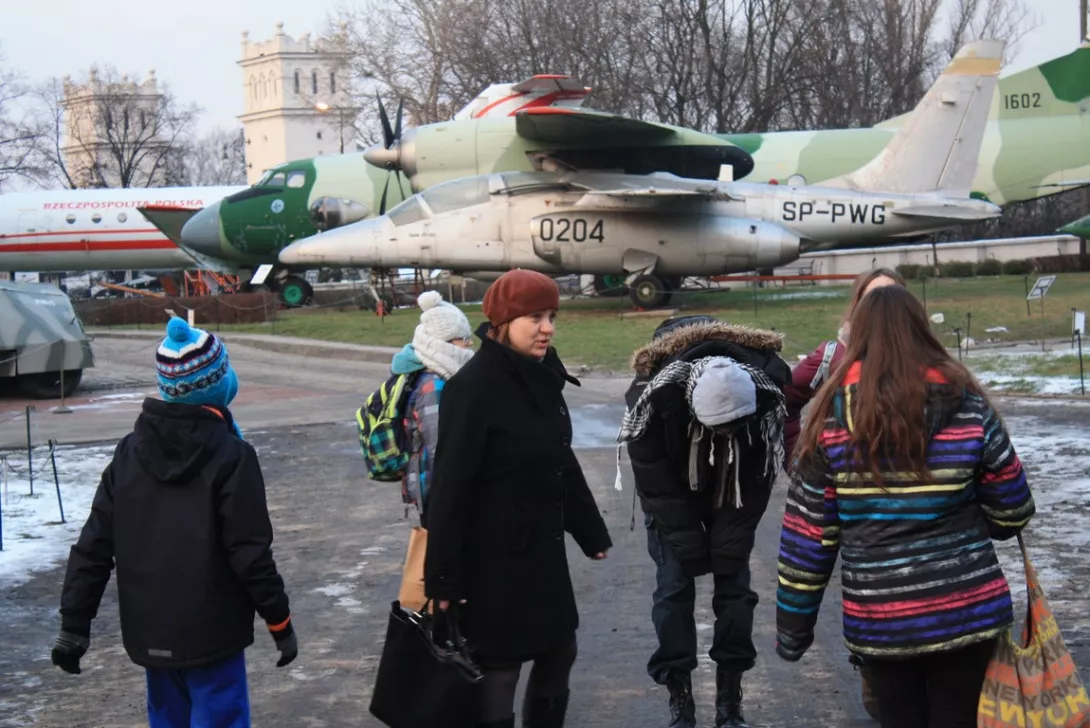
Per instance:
{"type": "Point", "coordinates": [40, 337]}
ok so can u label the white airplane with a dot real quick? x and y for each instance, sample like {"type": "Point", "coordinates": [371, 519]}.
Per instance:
{"type": "Point", "coordinates": [99, 229]}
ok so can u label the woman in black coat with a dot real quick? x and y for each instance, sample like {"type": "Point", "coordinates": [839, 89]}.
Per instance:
{"type": "Point", "coordinates": [506, 487]}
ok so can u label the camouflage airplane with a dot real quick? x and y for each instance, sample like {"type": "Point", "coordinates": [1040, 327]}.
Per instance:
{"type": "Point", "coordinates": [297, 199]}
{"type": "Point", "coordinates": [1037, 142]}
{"type": "Point", "coordinates": [662, 228]}
{"type": "Point", "coordinates": [1079, 228]}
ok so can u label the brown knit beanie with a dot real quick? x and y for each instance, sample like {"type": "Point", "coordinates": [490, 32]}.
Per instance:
{"type": "Point", "coordinates": [518, 293]}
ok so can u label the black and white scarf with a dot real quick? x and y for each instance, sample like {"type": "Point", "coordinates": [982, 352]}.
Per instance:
{"type": "Point", "coordinates": [687, 374]}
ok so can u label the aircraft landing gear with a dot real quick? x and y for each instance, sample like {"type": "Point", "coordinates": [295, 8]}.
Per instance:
{"type": "Point", "coordinates": [296, 292]}
{"type": "Point", "coordinates": [610, 286]}
{"type": "Point", "coordinates": [652, 291]}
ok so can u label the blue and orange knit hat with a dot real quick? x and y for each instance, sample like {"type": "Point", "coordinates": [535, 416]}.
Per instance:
{"type": "Point", "coordinates": [193, 367]}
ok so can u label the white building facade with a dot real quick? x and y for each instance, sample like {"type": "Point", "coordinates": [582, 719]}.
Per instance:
{"type": "Point", "coordinates": [296, 106]}
{"type": "Point", "coordinates": [111, 131]}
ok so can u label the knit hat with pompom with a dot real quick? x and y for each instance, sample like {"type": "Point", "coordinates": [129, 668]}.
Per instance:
{"type": "Point", "coordinates": [441, 323]}
{"type": "Point", "coordinates": [193, 367]}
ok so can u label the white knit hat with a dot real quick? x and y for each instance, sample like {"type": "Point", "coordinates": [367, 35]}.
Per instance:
{"type": "Point", "coordinates": [439, 324]}
{"type": "Point", "coordinates": [442, 320]}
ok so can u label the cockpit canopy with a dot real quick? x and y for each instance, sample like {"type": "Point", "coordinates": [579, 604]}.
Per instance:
{"type": "Point", "coordinates": [469, 191]}
{"type": "Point", "coordinates": [290, 178]}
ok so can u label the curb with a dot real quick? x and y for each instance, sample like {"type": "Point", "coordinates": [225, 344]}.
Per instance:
{"type": "Point", "coordinates": [299, 347]}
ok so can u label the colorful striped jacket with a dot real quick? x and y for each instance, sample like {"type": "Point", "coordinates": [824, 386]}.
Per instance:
{"type": "Point", "coordinates": [919, 572]}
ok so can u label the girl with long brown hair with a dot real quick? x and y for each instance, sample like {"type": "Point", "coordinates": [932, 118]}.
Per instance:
{"type": "Point", "coordinates": [809, 374]}
{"type": "Point", "coordinates": [905, 469]}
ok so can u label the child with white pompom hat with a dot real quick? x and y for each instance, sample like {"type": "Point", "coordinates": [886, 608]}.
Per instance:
{"type": "Point", "coordinates": [441, 345]}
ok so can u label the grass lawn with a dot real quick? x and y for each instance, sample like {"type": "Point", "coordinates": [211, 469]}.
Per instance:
{"type": "Point", "coordinates": [592, 332]}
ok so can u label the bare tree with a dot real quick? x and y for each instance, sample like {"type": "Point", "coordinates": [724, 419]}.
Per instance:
{"type": "Point", "coordinates": [1008, 20]}
{"type": "Point", "coordinates": [216, 158]}
{"type": "Point", "coordinates": [713, 65]}
{"type": "Point", "coordinates": [18, 131]}
{"type": "Point", "coordinates": [112, 132]}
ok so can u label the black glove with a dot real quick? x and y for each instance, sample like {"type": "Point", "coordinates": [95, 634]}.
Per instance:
{"type": "Point", "coordinates": [68, 649]}
{"type": "Point", "coordinates": [792, 648]}
{"type": "Point", "coordinates": [286, 643]}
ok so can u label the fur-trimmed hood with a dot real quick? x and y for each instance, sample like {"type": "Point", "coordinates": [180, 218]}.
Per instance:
{"type": "Point", "coordinates": [648, 358]}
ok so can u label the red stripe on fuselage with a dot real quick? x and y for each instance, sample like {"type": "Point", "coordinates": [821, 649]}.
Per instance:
{"type": "Point", "coordinates": [147, 231]}
{"type": "Point", "coordinates": [86, 246]}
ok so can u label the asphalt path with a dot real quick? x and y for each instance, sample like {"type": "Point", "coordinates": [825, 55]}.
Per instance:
{"type": "Point", "coordinates": [340, 541]}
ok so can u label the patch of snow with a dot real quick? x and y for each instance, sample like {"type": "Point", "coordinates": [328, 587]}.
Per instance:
{"type": "Point", "coordinates": [1057, 463]}
{"type": "Point", "coordinates": [352, 605]}
{"type": "Point", "coordinates": [1031, 383]}
{"type": "Point", "coordinates": [996, 330]}
{"type": "Point", "coordinates": [335, 590]}
{"type": "Point", "coordinates": [34, 539]}
{"type": "Point", "coordinates": [791, 295]}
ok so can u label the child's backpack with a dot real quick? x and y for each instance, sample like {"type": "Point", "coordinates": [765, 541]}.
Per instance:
{"type": "Point", "coordinates": [381, 426]}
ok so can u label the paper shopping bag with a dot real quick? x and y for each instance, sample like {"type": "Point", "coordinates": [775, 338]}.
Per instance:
{"type": "Point", "coordinates": [411, 594]}
{"type": "Point", "coordinates": [1034, 683]}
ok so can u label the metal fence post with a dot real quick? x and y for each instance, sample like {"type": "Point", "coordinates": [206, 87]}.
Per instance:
{"type": "Point", "coordinates": [29, 450]}
{"type": "Point", "coordinates": [1082, 376]}
{"type": "Point", "coordinates": [56, 480]}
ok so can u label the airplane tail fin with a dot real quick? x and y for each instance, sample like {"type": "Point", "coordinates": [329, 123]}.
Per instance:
{"type": "Point", "coordinates": [1056, 87]}
{"type": "Point", "coordinates": [504, 99]}
{"type": "Point", "coordinates": [938, 145]}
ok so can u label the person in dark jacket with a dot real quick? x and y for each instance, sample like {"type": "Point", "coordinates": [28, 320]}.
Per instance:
{"type": "Point", "coordinates": [181, 512]}
{"type": "Point", "coordinates": [704, 428]}
{"type": "Point", "coordinates": [507, 486]}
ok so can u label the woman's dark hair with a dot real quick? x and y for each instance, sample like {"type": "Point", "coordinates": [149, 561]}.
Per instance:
{"type": "Point", "coordinates": [859, 285]}
{"type": "Point", "coordinates": [902, 361]}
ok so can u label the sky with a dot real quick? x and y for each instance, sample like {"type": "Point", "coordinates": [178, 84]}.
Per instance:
{"type": "Point", "coordinates": [194, 45]}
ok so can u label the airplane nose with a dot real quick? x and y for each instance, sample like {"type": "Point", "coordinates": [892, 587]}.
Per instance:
{"type": "Point", "coordinates": [380, 156]}
{"type": "Point", "coordinates": [346, 245]}
{"type": "Point", "coordinates": [202, 232]}
{"type": "Point", "coordinates": [401, 155]}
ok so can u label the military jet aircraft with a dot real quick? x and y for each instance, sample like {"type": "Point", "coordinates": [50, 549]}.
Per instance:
{"type": "Point", "coordinates": [292, 201]}
{"type": "Point", "coordinates": [1036, 143]}
{"type": "Point", "coordinates": [662, 227]}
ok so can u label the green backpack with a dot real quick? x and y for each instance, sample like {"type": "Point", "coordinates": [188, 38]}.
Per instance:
{"type": "Point", "coordinates": [381, 426]}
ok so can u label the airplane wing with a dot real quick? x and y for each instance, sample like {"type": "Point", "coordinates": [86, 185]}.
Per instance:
{"type": "Point", "coordinates": [560, 125]}
{"type": "Point", "coordinates": [946, 212]}
{"type": "Point", "coordinates": [1065, 185]}
{"type": "Point", "coordinates": [170, 220]}
{"type": "Point", "coordinates": [651, 197]}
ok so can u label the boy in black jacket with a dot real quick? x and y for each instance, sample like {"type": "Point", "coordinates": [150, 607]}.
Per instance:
{"type": "Point", "coordinates": [181, 511]}
{"type": "Point", "coordinates": [704, 428]}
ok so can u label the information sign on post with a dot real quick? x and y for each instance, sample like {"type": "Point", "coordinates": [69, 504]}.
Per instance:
{"type": "Point", "coordinates": [1040, 290]}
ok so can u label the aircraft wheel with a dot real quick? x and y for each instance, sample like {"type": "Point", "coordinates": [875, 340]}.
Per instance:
{"type": "Point", "coordinates": [648, 291]}
{"type": "Point", "coordinates": [47, 385]}
{"type": "Point", "coordinates": [296, 291]}
{"type": "Point", "coordinates": [610, 286]}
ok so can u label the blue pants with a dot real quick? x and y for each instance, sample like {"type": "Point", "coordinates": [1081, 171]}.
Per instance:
{"type": "Point", "coordinates": [672, 613]}
{"type": "Point", "coordinates": [209, 696]}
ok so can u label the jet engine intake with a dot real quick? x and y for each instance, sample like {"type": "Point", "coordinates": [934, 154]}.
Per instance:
{"type": "Point", "coordinates": [749, 244]}
{"type": "Point", "coordinates": [327, 213]}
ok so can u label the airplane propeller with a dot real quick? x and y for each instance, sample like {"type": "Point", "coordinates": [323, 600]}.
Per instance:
{"type": "Point", "coordinates": [389, 155]}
